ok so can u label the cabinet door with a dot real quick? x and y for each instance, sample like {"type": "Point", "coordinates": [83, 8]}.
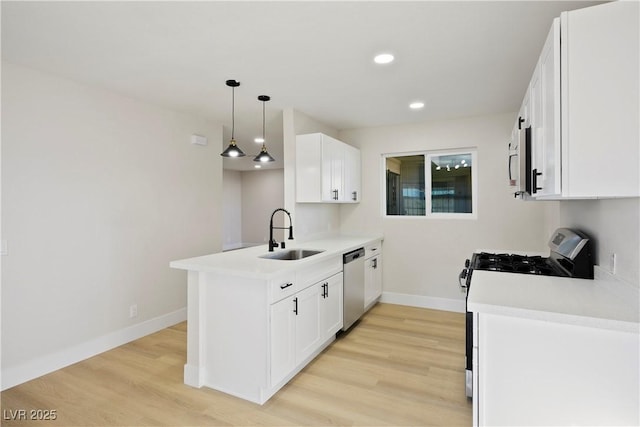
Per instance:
{"type": "Point", "coordinates": [351, 174]}
{"type": "Point", "coordinates": [331, 309]}
{"type": "Point", "coordinates": [372, 280]}
{"type": "Point", "coordinates": [545, 118]}
{"type": "Point", "coordinates": [307, 322]}
{"type": "Point", "coordinates": [282, 329]}
{"type": "Point", "coordinates": [309, 168]}
{"type": "Point", "coordinates": [601, 107]}
{"type": "Point", "coordinates": [332, 169]}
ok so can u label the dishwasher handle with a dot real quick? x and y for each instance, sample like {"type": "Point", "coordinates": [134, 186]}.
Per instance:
{"type": "Point", "coordinates": [352, 256]}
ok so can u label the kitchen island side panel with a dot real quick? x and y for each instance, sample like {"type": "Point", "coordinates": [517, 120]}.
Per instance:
{"type": "Point", "coordinates": [238, 331]}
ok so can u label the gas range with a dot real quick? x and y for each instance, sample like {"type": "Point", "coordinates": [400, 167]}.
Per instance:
{"type": "Point", "coordinates": [570, 256]}
{"type": "Point", "coordinates": [514, 263]}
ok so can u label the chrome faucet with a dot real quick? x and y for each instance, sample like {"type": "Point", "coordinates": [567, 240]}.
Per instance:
{"type": "Point", "coordinates": [272, 242]}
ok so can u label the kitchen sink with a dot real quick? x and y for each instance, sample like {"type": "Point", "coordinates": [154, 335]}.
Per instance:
{"type": "Point", "coordinates": [291, 254]}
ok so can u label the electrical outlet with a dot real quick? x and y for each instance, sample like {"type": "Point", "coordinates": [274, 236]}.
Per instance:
{"type": "Point", "coordinates": [133, 311]}
{"type": "Point", "coordinates": [613, 261]}
{"type": "Point", "coordinates": [3, 248]}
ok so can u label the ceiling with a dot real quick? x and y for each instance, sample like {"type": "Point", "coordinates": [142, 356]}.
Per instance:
{"type": "Point", "coordinates": [459, 58]}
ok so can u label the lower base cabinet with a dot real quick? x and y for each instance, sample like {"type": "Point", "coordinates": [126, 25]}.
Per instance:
{"type": "Point", "coordinates": [303, 322]}
{"type": "Point", "coordinates": [543, 373]}
{"type": "Point", "coordinates": [372, 273]}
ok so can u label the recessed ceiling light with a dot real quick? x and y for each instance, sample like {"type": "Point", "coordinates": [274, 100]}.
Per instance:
{"type": "Point", "coordinates": [383, 58]}
{"type": "Point", "coordinates": [257, 166]}
{"type": "Point", "coordinates": [416, 105]}
{"type": "Point", "coordinates": [259, 140]}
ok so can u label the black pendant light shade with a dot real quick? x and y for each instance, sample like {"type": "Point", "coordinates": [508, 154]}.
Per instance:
{"type": "Point", "coordinates": [232, 150]}
{"type": "Point", "coordinates": [264, 155]}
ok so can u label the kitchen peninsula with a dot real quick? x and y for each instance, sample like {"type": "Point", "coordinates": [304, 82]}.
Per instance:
{"type": "Point", "coordinates": [255, 321]}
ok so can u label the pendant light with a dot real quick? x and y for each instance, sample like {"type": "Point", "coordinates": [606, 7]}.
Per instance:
{"type": "Point", "coordinates": [263, 156]}
{"type": "Point", "coordinates": [232, 150]}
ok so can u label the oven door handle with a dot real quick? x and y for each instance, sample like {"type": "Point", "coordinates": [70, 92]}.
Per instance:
{"type": "Point", "coordinates": [462, 280]}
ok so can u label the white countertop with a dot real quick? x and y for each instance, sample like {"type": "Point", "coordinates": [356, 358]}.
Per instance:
{"type": "Point", "coordinates": [247, 262]}
{"type": "Point", "coordinates": [602, 303]}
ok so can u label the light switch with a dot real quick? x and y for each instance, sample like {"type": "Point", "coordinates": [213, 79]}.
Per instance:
{"type": "Point", "coordinates": [3, 248]}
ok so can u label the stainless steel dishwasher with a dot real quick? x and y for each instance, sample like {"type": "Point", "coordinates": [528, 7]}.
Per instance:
{"type": "Point", "coordinates": [353, 287]}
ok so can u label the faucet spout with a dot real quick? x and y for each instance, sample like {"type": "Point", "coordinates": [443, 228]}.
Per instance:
{"type": "Point", "coordinates": [272, 242]}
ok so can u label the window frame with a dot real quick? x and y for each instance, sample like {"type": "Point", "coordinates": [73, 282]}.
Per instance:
{"type": "Point", "coordinates": [428, 155]}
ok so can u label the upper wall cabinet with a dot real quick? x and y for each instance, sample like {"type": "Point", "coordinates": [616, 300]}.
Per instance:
{"type": "Point", "coordinates": [582, 106]}
{"type": "Point", "coordinates": [327, 170]}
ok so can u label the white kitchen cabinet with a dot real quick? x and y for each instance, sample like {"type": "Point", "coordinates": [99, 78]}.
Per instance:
{"type": "Point", "coordinates": [584, 107]}
{"type": "Point", "coordinates": [352, 174]}
{"type": "Point", "coordinates": [307, 321]}
{"type": "Point", "coordinates": [535, 372]}
{"type": "Point", "coordinates": [544, 118]}
{"type": "Point", "coordinates": [331, 306]}
{"type": "Point", "coordinates": [327, 170]}
{"type": "Point", "coordinates": [301, 323]}
{"type": "Point", "coordinates": [283, 335]}
{"type": "Point", "coordinates": [372, 274]}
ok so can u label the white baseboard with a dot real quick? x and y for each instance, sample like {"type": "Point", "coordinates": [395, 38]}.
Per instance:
{"type": "Point", "coordinates": [40, 366]}
{"type": "Point", "coordinates": [436, 303]}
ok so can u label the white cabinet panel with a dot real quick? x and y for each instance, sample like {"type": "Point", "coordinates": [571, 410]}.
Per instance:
{"type": "Point", "coordinates": [533, 372]}
{"type": "Point", "coordinates": [307, 322]}
{"type": "Point", "coordinates": [352, 174]}
{"type": "Point", "coordinates": [283, 354]}
{"type": "Point", "coordinates": [372, 280]}
{"type": "Point", "coordinates": [544, 93]}
{"type": "Point", "coordinates": [331, 306]}
{"type": "Point", "coordinates": [600, 101]}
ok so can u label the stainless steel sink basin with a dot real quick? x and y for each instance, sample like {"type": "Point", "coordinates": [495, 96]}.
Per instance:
{"type": "Point", "coordinates": [291, 254]}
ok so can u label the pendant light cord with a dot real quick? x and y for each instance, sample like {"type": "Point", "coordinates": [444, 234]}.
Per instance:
{"type": "Point", "coordinates": [264, 140]}
{"type": "Point", "coordinates": [233, 111]}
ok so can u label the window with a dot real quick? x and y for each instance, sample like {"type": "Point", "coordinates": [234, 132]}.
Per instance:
{"type": "Point", "coordinates": [431, 184]}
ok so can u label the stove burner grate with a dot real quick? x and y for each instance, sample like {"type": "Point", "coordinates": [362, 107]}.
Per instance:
{"type": "Point", "coordinates": [515, 264]}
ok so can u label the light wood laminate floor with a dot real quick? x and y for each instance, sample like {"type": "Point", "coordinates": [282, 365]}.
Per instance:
{"type": "Point", "coordinates": [399, 366]}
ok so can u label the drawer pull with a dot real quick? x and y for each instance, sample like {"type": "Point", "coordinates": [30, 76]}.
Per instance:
{"type": "Point", "coordinates": [286, 285]}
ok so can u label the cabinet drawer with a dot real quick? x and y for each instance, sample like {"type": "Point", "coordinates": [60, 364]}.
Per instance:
{"type": "Point", "coordinates": [314, 273]}
{"type": "Point", "coordinates": [282, 287]}
{"type": "Point", "coordinates": [372, 249]}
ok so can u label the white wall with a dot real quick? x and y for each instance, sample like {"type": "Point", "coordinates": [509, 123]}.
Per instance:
{"type": "Point", "coordinates": [232, 209]}
{"type": "Point", "coordinates": [615, 227]}
{"type": "Point", "coordinates": [249, 198]}
{"type": "Point", "coordinates": [99, 193]}
{"type": "Point", "coordinates": [262, 193]}
{"type": "Point", "coordinates": [423, 257]}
